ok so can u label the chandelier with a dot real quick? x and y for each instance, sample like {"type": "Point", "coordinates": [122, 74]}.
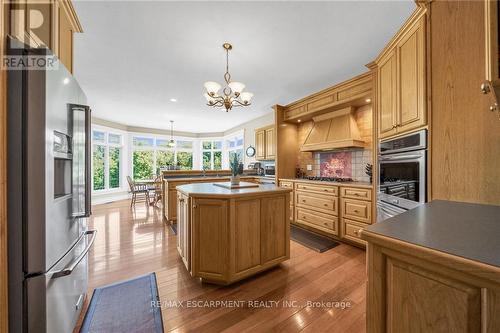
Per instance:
{"type": "Point", "coordinates": [232, 94]}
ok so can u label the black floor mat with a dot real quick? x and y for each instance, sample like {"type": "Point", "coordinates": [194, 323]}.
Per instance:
{"type": "Point", "coordinates": [311, 240]}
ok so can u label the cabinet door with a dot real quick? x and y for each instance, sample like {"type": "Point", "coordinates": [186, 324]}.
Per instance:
{"type": "Point", "coordinates": [270, 144]}
{"type": "Point", "coordinates": [387, 88]}
{"type": "Point", "coordinates": [411, 69]}
{"type": "Point", "coordinates": [274, 221]}
{"type": "Point", "coordinates": [209, 225]}
{"type": "Point", "coordinates": [181, 222]}
{"type": "Point", "coordinates": [260, 145]}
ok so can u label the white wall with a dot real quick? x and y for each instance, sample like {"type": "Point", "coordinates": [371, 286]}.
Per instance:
{"type": "Point", "coordinates": [249, 130]}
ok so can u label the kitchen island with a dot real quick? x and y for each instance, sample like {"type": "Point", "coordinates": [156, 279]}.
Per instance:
{"type": "Point", "coordinates": [435, 268]}
{"type": "Point", "coordinates": [225, 235]}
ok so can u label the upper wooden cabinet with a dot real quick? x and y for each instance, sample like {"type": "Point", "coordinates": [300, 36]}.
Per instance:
{"type": "Point", "coordinates": [47, 24]}
{"type": "Point", "coordinates": [353, 92]}
{"type": "Point", "coordinates": [491, 84]}
{"type": "Point", "coordinates": [265, 143]}
{"type": "Point", "coordinates": [401, 76]}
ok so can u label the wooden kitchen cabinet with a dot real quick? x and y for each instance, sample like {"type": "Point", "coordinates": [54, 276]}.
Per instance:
{"type": "Point", "coordinates": [260, 145]}
{"type": "Point", "coordinates": [265, 143]}
{"type": "Point", "coordinates": [270, 144]}
{"type": "Point", "coordinates": [183, 228]}
{"type": "Point", "coordinates": [401, 75]}
{"type": "Point", "coordinates": [387, 95]}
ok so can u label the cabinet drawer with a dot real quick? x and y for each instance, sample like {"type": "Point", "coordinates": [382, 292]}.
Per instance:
{"type": "Point", "coordinates": [352, 231]}
{"type": "Point", "coordinates": [286, 184]}
{"type": "Point", "coordinates": [314, 219]}
{"type": "Point", "coordinates": [356, 193]}
{"type": "Point", "coordinates": [357, 210]}
{"type": "Point", "coordinates": [323, 203]}
{"type": "Point", "coordinates": [331, 190]}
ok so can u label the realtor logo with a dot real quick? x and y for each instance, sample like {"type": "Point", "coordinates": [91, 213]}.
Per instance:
{"type": "Point", "coordinates": [29, 26]}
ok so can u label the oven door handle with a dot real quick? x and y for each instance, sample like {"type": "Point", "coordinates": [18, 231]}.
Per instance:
{"type": "Point", "coordinates": [400, 157]}
{"type": "Point", "coordinates": [71, 266]}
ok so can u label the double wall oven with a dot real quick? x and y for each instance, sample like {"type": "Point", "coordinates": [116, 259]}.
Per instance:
{"type": "Point", "coordinates": [403, 171]}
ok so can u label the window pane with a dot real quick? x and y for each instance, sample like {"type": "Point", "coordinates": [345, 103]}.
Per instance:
{"type": "Point", "coordinates": [217, 144]}
{"type": "Point", "coordinates": [231, 143]}
{"type": "Point", "coordinates": [239, 141]}
{"type": "Point", "coordinates": [185, 160]}
{"type": "Point", "coordinates": [98, 136]}
{"type": "Point", "coordinates": [218, 160]}
{"type": "Point", "coordinates": [207, 144]}
{"type": "Point", "coordinates": [185, 144]}
{"type": "Point", "coordinates": [143, 164]}
{"type": "Point", "coordinates": [207, 160]}
{"type": "Point", "coordinates": [98, 167]}
{"type": "Point", "coordinates": [164, 158]}
{"type": "Point", "coordinates": [143, 142]}
{"type": "Point", "coordinates": [114, 138]}
{"type": "Point", "coordinates": [162, 143]}
{"type": "Point", "coordinates": [114, 167]}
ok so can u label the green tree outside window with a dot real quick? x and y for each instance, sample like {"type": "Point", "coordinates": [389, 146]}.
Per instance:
{"type": "Point", "coordinates": [114, 167]}
{"type": "Point", "coordinates": [98, 167]}
{"type": "Point", "coordinates": [142, 164]}
{"type": "Point", "coordinates": [185, 160]}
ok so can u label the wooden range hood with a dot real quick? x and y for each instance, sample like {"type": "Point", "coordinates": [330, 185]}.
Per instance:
{"type": "Point", "coordinates": [334, 130]}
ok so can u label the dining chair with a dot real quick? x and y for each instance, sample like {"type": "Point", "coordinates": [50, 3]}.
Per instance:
{"type": "Point", "coordinates": [158, 189]}
{"type": "Point", "coordinates": [137, 189]}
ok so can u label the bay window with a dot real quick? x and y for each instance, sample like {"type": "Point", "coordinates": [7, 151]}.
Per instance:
{"type": "Point", "coordinates": [150, 154]}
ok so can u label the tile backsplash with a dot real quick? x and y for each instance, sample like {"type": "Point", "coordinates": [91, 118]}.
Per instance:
{"type": "Point", "coordinates": [346, 164]}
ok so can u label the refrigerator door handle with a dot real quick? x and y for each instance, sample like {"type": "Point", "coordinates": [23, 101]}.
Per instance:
{"type": "Point", "coordinates": [72, 265]}
{"type": "Point", "coordinates": [82, 173]}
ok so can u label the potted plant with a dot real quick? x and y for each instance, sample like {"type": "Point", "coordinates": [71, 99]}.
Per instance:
{"type": "Point", "coordinates": [236, 170]}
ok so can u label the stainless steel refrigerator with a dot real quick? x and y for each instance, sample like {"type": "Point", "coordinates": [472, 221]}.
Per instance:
{"type": "Point", "coordinates": [49, 184]}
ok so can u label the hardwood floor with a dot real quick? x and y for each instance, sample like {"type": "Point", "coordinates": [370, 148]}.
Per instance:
{"type": "Point", "coordinates": [134, 242]}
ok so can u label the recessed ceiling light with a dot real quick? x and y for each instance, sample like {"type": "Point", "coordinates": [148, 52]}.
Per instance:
{"type": "Point", "coordinates": [66, 80]}
{"type": "Point", "coordinates": [368, 100]}
{"type": "Point", "coordinates": [298, 121]}
{"type": "Point", "coordinates": [173, 100]}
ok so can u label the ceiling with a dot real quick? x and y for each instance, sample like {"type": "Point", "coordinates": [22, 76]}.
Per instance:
{"type": "Point", "coordinates": [133, 57]}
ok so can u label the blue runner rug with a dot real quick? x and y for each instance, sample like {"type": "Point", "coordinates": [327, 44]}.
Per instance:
{"type": "Point", "coordinates": [125, 307]}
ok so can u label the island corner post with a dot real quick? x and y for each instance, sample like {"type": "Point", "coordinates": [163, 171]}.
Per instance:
{"type": "Point", "coordinates": [225, 235]}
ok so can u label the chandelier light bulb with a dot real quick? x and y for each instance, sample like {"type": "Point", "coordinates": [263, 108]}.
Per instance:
{"type": "Point", "coordinates": [236, 87]}
{"type": "Point", "coordinates": [212, 87]}
{"type": "Point", "coordinates": [246, 97]}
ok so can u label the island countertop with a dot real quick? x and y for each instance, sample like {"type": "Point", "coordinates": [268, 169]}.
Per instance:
{"type": "Point", "coordinates": [465, 230]}
{"type": "Point", "coordinates": [209, 190]}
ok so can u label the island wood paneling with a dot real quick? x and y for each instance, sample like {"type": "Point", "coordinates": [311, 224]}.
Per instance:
{"type": "Point", "coordinates": [465, 134]}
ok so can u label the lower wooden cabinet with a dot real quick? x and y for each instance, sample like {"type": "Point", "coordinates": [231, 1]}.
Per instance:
{"type": "Point", "coordinates": [356, 210]}
{"type": "Point", "coordinates": [183, 229]}
{"type": "Point", "coordinates": [352, 231]}
{"type": "Point", "coordinates": [415, 289]}
{"type": "Point", "coordinates": [324, 222]}
{"type": "Point", "coordinates": [223, 240]}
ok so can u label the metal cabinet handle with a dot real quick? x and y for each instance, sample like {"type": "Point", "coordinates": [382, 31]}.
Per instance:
{"type": "Point", "coordinates": [72, 265]}
{"type": "Point", "coordinates": [485, 87]}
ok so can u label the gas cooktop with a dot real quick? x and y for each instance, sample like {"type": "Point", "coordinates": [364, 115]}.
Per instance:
{"type": "Point", "coordinates": [329, 179]}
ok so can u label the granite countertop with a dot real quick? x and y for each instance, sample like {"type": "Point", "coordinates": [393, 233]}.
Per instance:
{"type": "Point", "coordinates": [211, 190]}
{"type": "Point", "coordinates": [470, 231]}
{"type": "Point", "coordinates": [345, 184]}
